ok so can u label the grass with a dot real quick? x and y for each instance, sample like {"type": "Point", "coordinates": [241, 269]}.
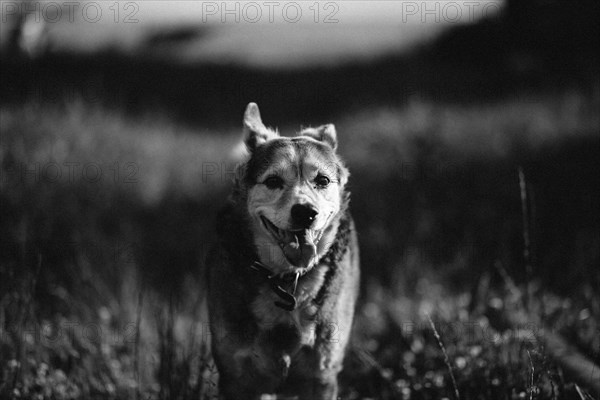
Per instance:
{"type": "Point", "coordinates": [101, 267]}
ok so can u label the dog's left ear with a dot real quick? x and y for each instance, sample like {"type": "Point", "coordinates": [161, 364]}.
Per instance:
{"type": "Point", "coordinates": [324, 133]}
{"type": "Point", "coordinates": [255, 132]}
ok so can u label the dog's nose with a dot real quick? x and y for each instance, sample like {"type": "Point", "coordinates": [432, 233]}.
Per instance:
{"type": "Point", "coordinates": [303, 215]}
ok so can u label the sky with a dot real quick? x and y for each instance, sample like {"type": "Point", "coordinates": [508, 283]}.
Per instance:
{"type": "Point", "coordinates": [259, 33]}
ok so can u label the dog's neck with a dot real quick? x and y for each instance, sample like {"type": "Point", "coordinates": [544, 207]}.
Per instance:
{"type": "Point", "coordinates": [284, 286]}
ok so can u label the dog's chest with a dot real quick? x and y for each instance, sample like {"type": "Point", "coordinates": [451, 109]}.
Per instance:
{"type": "Point", "coordinates": [269, 316]}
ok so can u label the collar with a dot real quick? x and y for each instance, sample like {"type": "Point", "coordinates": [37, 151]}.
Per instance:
{"type": "Point", "coordinates": [277, 281]}
{"type": "Point", "coordinates": [331, 258]}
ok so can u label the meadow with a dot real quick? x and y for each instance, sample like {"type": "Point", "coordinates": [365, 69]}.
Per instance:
{"type": "Point", "coordinates": [474, 160]}
{"type": "Point", "coordinates": [106, 217]}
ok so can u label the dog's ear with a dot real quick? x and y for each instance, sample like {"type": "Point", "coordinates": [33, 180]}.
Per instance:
{"type": "Point", "coordinates": [324, 133]}
{"type": "Point", "coordinates": [255, 132]}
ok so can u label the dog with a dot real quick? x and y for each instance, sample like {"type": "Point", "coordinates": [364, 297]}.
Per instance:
{"type": "Point", "coordinates": [283, 277]}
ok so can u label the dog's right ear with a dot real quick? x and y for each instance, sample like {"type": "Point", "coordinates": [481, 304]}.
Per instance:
{"type": "Point", "coordinates": [255, 132]}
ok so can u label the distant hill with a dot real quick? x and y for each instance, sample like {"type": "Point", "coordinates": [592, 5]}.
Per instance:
{"type": "Point", "coordinates": [542, 48]}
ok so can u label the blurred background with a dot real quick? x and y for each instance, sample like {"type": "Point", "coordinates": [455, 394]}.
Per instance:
{"type": "Point", "coordinates": [471, 129]}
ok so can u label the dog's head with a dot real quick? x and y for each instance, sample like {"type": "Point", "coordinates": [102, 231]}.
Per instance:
{"type": "Point", "coordinates": [293, 188]}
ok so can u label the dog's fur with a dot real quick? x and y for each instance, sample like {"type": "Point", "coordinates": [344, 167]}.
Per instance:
{"type": "Point", "coordinates": [258, 346]}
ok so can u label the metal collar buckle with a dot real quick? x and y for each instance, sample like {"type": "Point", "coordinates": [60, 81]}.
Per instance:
{"type": "Point", "coordinates": [289, 300]}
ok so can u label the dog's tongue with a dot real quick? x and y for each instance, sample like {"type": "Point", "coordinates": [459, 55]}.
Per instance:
{"type": "Point", "coordinates": [301, 249]}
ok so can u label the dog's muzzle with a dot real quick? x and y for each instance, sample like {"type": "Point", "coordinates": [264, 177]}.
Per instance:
{"type": "Point", "coordinates": [298, 246]}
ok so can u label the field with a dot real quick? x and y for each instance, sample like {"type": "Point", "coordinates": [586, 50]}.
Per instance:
{"type": "Point", "coordinates": [106, 217]}
{"type": "Point", "coordinates": [474, 160]}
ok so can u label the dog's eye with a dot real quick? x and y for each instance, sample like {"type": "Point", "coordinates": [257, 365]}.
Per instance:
{"type": "Point", "coordinates": [322, 181]}
{"type": "Point", "coordinates": [274, 182]}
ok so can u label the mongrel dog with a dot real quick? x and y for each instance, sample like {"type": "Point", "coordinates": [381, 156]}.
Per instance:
{"type": "Point", "coordinates": [283, 279]}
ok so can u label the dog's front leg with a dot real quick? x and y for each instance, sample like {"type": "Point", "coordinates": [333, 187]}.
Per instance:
{"type": "Point", "coordinates": [247, 385]}
{"type": "Point", "coordinates": [326, 359]}
{"type": "Point", "coordinates": [324, 387]}
{"type": "Point", "coordinates": [252, 374]}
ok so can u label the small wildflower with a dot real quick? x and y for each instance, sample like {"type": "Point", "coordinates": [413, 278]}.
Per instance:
{"type": "Point", "coordinates": [439, 380]}
{"type": "Point", "coordinates": [496, 303]}
{"type": "Point", "coordinates": [406, 393]}
{"type": "Point", "coordinates": [401, 383]}
{"type": "Point", "coordinates": [387, 373]}
{"type": "Point", "coordinates": [475, 351]}
{"type": "Point", "coordinates": [461, 362]}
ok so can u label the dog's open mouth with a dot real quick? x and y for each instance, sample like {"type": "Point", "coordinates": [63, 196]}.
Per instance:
{"type": "Point", "coordinates": [299, 247]}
